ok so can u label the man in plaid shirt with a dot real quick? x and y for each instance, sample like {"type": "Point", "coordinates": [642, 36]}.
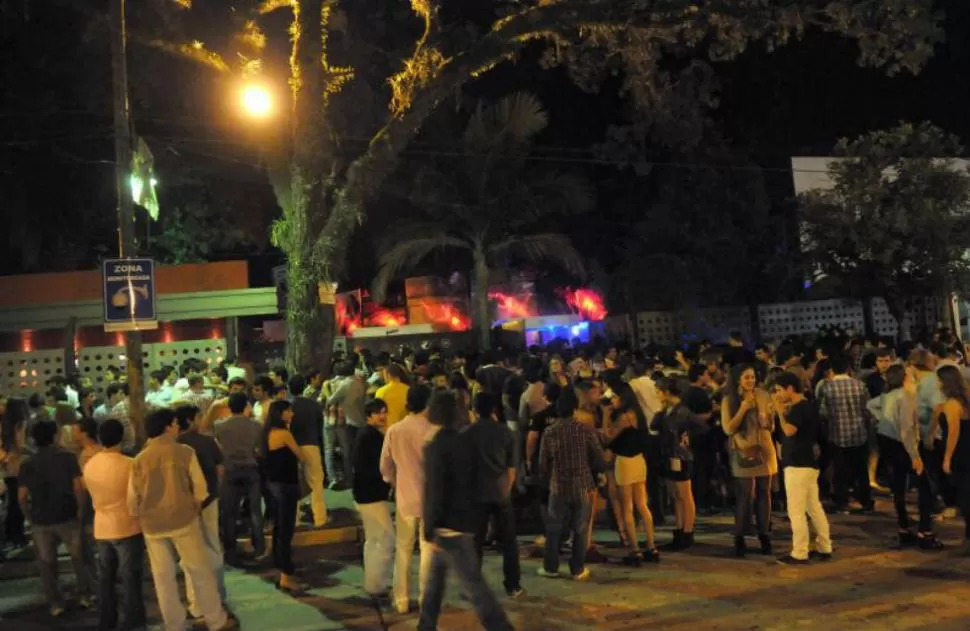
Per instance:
{"type": "Point", "coordinates": [842, 400]}
{"type": "Point", "coordinates": [571, 458]}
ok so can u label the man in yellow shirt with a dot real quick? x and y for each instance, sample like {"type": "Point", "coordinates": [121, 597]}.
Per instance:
{"type": "Point", "coordinates": [394, 393]}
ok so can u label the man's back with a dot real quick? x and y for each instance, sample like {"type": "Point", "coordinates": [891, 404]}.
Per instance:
{"type": "Point", "coordinates": [49, 477]}
{"type": "Point", "coordinates": [394, 395]}
{"type": "Point", "coordinates": [167, 486]}
{"type": "Point", "coordinates": [570, 454]}
{"type": "Point", "coordinates": [451, 489]}
{"type": "Point", "coordinates": [307, 419]}
{"type": "Point", "coordinates": [210, 458]}
{"type": "Point", "coordinates": [402, 461]}
{"type": "Point", "coordinates": [239, 438]}
{"type": "Point", "coordinates": [843, 401]}
{"type": "Point", "coordinates": [494, 448]}
{"type": "Point", "coordinates": [106, 477]}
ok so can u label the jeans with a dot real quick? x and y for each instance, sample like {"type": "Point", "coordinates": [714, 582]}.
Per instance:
{"type": "Point", "coordinates": [893, 451]}
{"type": "Point", "coordinates": [926, 488]}
{"type": "Point", "coordinates": [13, 523]}
{"type": "Point", "coordinates": [313, 474]}
{"type": "Point", "coordinates": [210, 537]}
{"type": "Point", "coordinates": [748, 492]}
{"type": "Point", "coordinates": [458, 552]}
{"type": "Point", "coordinates": [46, 539]}
{"type": "Point", "coordinates": [187, 546]}
{"type": "Point", "coordinates": [407, 531]}
{"type": "Point", "coordinates": [378, 545]}
{"type": "Point", "coordinates": [124, 560]}
{"type": "Point", "coordinates": [574, 513]}
{"type": "Point", "coordinates": [334, 436]}
{"type": "Point", "coordinates": [801, 489]}
{"type": "Point", "coordinates": [852, 468]}
{"type": "Point", "coordinates": [239, 483]}
{"type": "Point", "coordinates": [286, 497]}
{"type": "Point", "coordinates": [505, 532]}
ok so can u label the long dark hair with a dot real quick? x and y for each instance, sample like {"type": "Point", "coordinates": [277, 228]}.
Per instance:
{"type": "Point", "coordinates": [954, 386]}
{"type": "Point", "coordinates": [16, 415]}
{"type": "Point", "coordinates": [274, 420]}
{"type": "Point", "coordinates": [734, 383]}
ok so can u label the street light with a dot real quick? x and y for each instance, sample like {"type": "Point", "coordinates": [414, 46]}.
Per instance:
{"type": "Point", "coordinates": [257, 101]}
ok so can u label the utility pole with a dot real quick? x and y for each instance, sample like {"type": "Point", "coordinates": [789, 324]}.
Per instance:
{"type": "Point", "coordinates": [127, 246]}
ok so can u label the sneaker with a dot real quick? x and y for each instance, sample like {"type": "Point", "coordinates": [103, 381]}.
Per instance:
{"type": "Point", "coordinates": [86, 602]}
{"type": "Point", "coordinates": [582, 576]}
{"type": "Point", "coordinates": [57, 611]}
{"type": "Point", "coordinates": [790, 560]}
{"type": "Point", "coordinates": [516, 593]}
{"type": "Point", "coordinates": [544, 574]}
{"type": "Point", "coordinates": [402, 606]}
{"type": "Point", "coordinates": [928, 541]}
{"type": "Point", "coordinates": [815, 555]}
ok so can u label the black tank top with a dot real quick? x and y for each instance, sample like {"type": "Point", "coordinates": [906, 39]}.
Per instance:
{"type": "Point", "coordinates": [282, 466]}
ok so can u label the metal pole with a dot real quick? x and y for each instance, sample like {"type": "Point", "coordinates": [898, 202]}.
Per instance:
{"type": "Point", "coordinates": [127, 246]}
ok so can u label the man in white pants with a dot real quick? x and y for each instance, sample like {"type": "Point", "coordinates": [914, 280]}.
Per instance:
{"type": "Point", "coordinates": [402, 466]}
{"type": "Point", "coordinates": [165, 492]}
{"type": "Point", "coordinates": [370, 495]}
{"type": "Point", "coordinates": [799, 457]}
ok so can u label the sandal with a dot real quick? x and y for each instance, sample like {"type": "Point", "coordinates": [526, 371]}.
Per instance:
{"type": "Point", "coordinates": [293, 589]}
{"type": "Point", "coordinates": [928, 541]}
{"type": "Point", "coordinates": [652, 556]}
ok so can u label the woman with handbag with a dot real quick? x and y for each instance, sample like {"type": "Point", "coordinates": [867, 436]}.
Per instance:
{"type": "Point", "coordinates": [675, 424]}
{"type": "Point", "coordinates": [747, 416]}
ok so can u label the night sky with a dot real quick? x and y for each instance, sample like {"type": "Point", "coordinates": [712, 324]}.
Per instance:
{"type": "Point", "coordinates": [56, 178]}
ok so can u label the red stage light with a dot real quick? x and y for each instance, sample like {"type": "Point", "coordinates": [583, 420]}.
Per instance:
{"type": "Point", "coordinates": [586, 302]}
{"type": "Point", "coordinates": [510, 307]}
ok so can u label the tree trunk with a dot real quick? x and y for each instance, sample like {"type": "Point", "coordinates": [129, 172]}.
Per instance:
{"type": "Point", "coordinates": [480, 319]}
{"type": "Point", "coordinates": [868, 323]}
{"type": "Point", "coordinates": [309, 325]}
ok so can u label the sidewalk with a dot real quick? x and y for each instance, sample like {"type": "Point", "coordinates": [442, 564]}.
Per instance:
{"type": "Point", "coordinates": [343, 527]}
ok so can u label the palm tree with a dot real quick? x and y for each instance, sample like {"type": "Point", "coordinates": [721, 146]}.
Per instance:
{"type": "Point", "coordinates": [489, 204]}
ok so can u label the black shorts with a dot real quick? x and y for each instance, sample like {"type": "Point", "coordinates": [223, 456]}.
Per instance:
{"type": "Point", "coordinates": [684, 474]}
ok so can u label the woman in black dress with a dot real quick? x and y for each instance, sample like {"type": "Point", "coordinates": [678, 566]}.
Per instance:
{"type": "Point", "coordinates": [282, 458]}
{"type": "Point", "coordinates": [956, 438]}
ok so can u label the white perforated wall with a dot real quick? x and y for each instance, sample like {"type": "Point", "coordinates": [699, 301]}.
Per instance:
{"type": "Point", "coordinates": [799, 318]}
{"type": "Point", "coordinates": [23, 374]}
{"type": "Point", "coordinates": [174, 353]}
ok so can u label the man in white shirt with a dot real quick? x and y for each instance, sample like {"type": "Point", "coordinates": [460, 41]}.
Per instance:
{"type": "Point", "coordinates": [166, 492]}
{"type": "Point", "coordinates": [402, 466]}
{"type": "Point", "coordinates": [117, 532]}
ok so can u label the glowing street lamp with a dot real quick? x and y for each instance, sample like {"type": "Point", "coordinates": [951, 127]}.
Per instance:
{"type": "Point", "coordinates": [257, 101]}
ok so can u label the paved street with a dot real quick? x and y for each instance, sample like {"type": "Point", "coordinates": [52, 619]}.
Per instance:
{"type": "Point", "coordinates": [867, 586]}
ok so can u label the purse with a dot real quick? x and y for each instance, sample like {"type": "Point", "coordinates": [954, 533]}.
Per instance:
{"type": "Point", "coordinates": [747, 456]}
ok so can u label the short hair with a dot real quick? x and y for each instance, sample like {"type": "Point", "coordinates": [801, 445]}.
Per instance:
{"type": "Point", "coordinates": [788, 380]}
{"type": "Point", "coordinates": [44, 433]}
{"type": "Point", "coordinates": [158, 421]}
{"type": "Point", "coordinates": [57, 393]}
{"type": "Point", "coordinates": [160, 375]}
{"type": "Point", "coordinates": [280, 371]}
{"type": "Point", "coordinates": [443, 409]}
{"type": "Point", "coordinates": [485, 405]}
{"type": "Point", "coordinates": [695, 372]}
{"type": "Point", "coordinates": [297, 385]}
{"type": "Point", "coordinates": [417, 400]}
{"type": "Point", "coordinates": [374, 406]}
{"type": "Point", "coordinates": [115, 388]}
{"type": "Point", "coordinates": [196, 380]}
{"type": "Point", "coordinates": [567, 403]}
{"type": "Point", "coordinates": [89, 426]}
{"type": "Point", "coordinates": [238, 381]}
{"type": "Point", "coordinates": [264, 383]}
{"type": "Point", "coordinates": [839, 364]}
{"type": "Point", "coordinates": [185, 415]}
{"type": "Point", "coordinates": [672, 386]}
{"type": "Point", "coordinates": [221, 372]}
{"type": "Point", "coordinates": [883, 352]}
{"type": "Point", "coordinates": [396, 372]}
{"type": "Point", "coordinates": [920, 358]}
{"type": "Point", "coordinates": [457, 381]}
{"type": "Point", "coordinates": [238, 402]}
{"type": "Point", "coordinates": [111, 432]}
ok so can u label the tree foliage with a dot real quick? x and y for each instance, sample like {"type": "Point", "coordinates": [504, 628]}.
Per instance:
{"type": "Point", "coordinates": [896, 222]}
{"type": "Point", "coordinates": [327, 178]}
{"type": "Point", "coordinates": [487, 202]}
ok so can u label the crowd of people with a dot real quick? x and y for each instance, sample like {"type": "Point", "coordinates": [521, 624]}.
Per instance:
{"type": "Point", "coordinates": [449, 452]}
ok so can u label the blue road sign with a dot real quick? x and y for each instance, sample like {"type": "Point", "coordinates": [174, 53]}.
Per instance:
{"type": "Point", "coordinates": [129, 295]}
